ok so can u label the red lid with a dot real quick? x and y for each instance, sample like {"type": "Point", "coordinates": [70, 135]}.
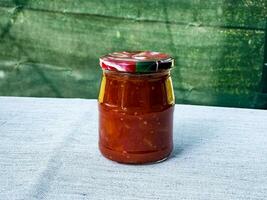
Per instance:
{"type": "Point", "coordinates": [136, 61]}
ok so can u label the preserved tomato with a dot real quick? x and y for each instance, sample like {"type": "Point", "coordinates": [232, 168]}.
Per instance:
{"type": "Point", "coordinates": [136, 111]}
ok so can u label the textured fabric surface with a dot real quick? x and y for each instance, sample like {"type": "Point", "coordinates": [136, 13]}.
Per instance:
{"type": "Point", "coordinates": [48, 150]}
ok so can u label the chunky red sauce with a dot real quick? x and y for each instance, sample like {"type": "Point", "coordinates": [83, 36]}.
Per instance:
{"type": "Point", "coordinates": [136, 116]}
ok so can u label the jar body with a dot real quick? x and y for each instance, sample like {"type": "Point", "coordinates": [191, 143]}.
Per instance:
{"type": "Point", "coordinates": [136, 116]}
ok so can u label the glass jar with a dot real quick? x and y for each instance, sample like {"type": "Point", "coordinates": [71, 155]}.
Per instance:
{"type": "Point", "coordinates": [136, 105]}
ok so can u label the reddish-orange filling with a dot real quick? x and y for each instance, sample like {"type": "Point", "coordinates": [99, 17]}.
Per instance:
{"type": "Point", "coordinates": [135, 117]}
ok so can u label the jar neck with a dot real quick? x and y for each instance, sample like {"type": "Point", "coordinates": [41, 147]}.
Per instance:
{"type": "Point", "coordinates": [127, 75]}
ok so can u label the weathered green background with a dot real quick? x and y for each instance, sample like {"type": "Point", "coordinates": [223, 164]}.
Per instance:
{"type": "Point", "coordinates": [51, 47]}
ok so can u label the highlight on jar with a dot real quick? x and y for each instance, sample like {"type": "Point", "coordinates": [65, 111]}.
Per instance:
{"type": "Point", "coordinates": [136, 105]}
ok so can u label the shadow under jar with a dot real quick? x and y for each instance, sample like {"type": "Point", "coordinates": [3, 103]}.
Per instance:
{"type": "Point", "coordinates": [136, 104]}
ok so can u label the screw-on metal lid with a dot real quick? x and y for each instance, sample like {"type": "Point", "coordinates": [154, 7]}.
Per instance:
{"type": "Point", "coordinates": [136, 61]}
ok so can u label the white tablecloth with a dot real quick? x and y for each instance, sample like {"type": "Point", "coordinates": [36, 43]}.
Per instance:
{"type": "Point", "coordinates": [48, 150]}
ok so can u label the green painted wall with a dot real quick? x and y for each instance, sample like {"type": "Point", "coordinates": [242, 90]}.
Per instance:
{"type": "Point", "coordinates": [51, 48]}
